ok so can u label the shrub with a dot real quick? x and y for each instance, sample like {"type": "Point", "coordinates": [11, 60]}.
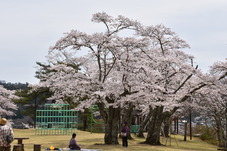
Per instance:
{"type": "Point", "coordinates": [208, 134]}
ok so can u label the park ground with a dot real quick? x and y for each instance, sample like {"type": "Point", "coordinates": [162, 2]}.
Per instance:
{"type": "Point", "coordinates": [89, 140]}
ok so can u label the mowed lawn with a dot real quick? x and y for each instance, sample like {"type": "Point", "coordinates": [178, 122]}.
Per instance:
{"type": "Point", "coordinates": [89, 140]}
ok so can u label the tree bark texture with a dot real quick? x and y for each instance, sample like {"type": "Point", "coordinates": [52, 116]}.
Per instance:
{"type": "Point", "coordinates": [154, 127]}
{"type": "Point", "coordinates": [112, 126]}
{"type": "Point", "coordinates": [167, 125]}
{"type": "Point", "coordinates": [144, 124]}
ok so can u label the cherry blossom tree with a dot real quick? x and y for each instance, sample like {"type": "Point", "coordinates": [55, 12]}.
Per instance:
{"type": "Point", "coordinates": [212, 100]}
{"type": "Point", "coordinates": [219, 71]}
{"type": "Point", "coordinates": [212, 106]}
{"type": "Point", "coordinates": [126, 66]}
{"type": "Point", "coordinates": [102, 78]}
{"type": "Point", "coordinates": [166, 77]}
{"type": "Point", "coordinates": [6, 104]}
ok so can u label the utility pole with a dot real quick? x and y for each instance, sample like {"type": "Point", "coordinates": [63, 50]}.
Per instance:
{"type": "Point", "coordinates": [177, 126]}
{"type": "Point", "coordinates": [185, 129]}
{"type": "Point", "coordinates": [190, 123]}
{"type": "Point", "coordinates": [225, 125]}
{"type": "Point", "coordinates": [35, 111]}
{"type": "Point", "coordinates": [190, 114]}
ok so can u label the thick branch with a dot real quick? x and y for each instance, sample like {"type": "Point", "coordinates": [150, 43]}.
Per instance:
{"type": "Point", "coordinates": [223, 76]}
{"type": "Point", "coordinates": [102, 111]}
{"type": "Point", "coordinates": [191, 92]}
{"type": "Point", "coordinates": [184, 82]}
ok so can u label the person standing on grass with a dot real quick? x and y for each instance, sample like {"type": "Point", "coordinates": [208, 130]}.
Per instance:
{"type": "Point", "coordinates": [6, 135]}
{"type": "Point", "coordinates": [124, 134]}
{"type": "Point", "coordinates": [72, 143]}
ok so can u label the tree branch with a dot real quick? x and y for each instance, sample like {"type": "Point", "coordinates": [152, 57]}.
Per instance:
{"type": "Point", "coordinates": [184, 82]}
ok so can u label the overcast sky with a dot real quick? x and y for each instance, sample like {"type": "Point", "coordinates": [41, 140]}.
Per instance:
{"type": "Point", "coordinates": [29, 27]}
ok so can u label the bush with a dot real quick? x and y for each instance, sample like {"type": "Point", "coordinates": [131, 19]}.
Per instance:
{"type": "Point", "coordinates": [208, 134]}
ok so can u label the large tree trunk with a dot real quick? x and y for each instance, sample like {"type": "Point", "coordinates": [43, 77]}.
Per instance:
{"type": "Point", "coordinates": [166, 129]}
{"type": "Point", "coordinates": [112, 126]}
{"type": "Point", "coordinates": [154, 127]}
{"type": "Point", "coordinates": [144, 124]}
{"type": "Point", "coordinates": [111, 117]}
{"type": "Point", "coordinates": [219, 135]}
{"type": "Point", "coordinates": [218, 130]}
{"type": "Point", "coordinates": [142, 127]}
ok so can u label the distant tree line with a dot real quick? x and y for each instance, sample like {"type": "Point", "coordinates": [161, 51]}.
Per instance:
{"type": "Point", "coordinates": [13, 86]}
{"type": "Point", "coordinates": [27, 102]}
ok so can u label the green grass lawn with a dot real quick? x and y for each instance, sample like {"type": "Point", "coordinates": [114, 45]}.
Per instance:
{"type": "Point", "coordinates": [88, 140]}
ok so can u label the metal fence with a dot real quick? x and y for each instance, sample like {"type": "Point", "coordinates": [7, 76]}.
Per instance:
{"type": "Point", "coordinates": [56, 119]}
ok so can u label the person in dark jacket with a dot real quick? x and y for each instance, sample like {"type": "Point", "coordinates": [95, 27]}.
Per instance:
{"type": "Point", "coordinates": [72, 143]}
{"type": "Point", "coordinates": [124, 134]}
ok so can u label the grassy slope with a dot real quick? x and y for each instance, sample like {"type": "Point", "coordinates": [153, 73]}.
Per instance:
{"type": "Point", "coordinates": [87, 140]}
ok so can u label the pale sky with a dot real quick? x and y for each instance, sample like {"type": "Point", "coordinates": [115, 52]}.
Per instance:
{"type": "Point", "coordinates": [29, 27]}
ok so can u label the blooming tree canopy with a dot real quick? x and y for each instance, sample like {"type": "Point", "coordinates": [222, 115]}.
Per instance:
{"type": "Point", "coordinates": [6, 104]}
{"type": "Point", "coordinates": [126, 65]}
{"type": "Point", "coordinates": [212, 100]}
